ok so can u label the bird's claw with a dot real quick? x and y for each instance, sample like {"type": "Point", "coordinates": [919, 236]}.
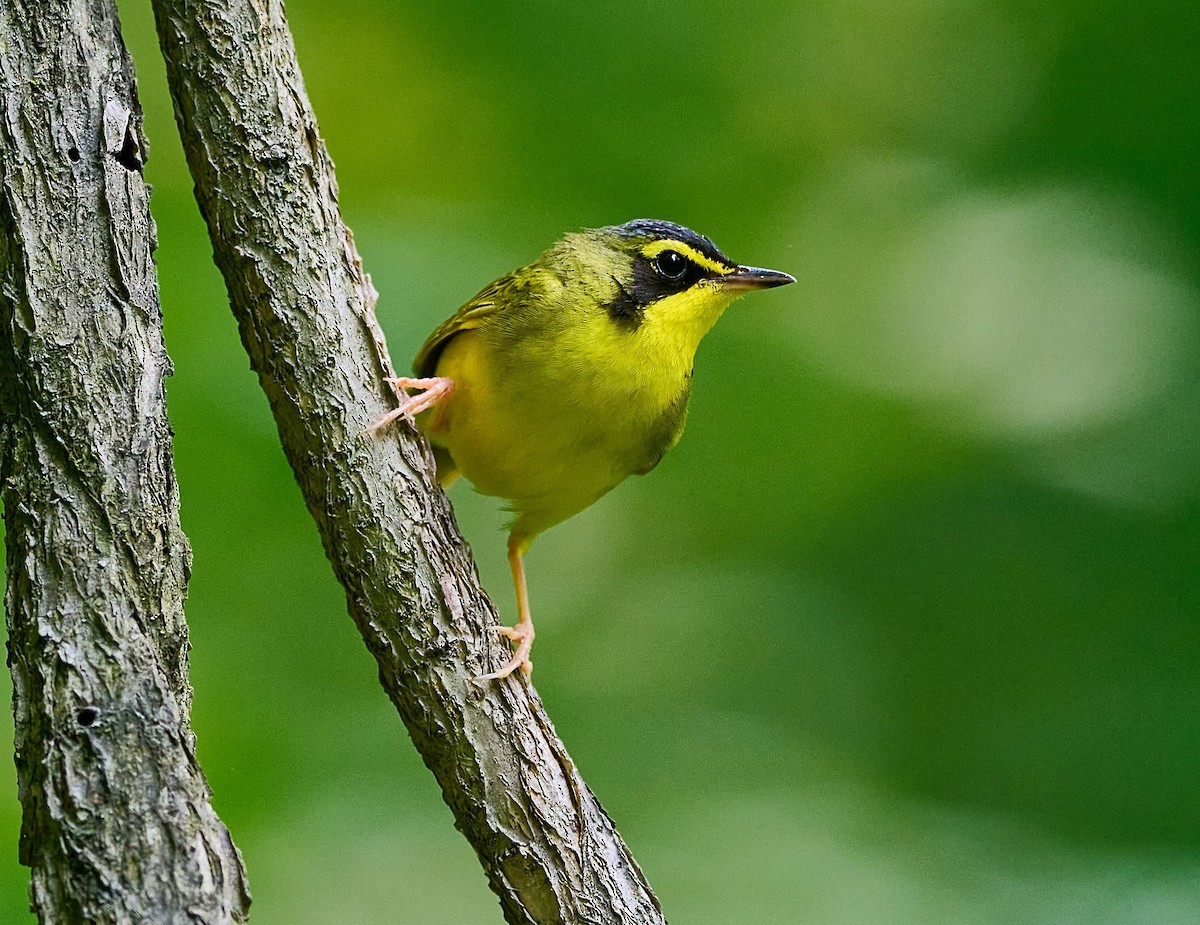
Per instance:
{"type": "Point", "coordinates": [436, 388]}
{"type": "Point", "coordinates": [522, 635]}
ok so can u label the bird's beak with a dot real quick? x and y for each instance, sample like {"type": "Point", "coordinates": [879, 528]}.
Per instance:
{"type": "Point", "coordinates": [755, 278]}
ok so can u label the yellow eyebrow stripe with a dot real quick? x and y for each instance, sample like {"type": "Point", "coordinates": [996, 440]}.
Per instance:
{"type": "Point", "coordinates": [654, 248]}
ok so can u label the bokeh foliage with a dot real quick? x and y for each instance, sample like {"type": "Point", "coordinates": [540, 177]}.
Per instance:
{"type": "Point", "coordinates": [906, 629]}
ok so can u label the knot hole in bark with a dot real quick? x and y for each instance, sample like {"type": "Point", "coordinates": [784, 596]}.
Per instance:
{"type": "Point", "coordinates": [130, 155]}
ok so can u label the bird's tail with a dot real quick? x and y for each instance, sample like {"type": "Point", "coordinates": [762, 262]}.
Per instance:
{"type": "Point", "coordinates": [447, 469]}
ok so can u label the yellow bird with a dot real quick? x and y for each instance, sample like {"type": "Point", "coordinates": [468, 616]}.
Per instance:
{"type": "Point", "coordinates": [562, 378]}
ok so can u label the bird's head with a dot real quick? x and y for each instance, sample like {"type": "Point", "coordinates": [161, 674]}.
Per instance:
{"type": "Point", "coordinates": [655, 276]}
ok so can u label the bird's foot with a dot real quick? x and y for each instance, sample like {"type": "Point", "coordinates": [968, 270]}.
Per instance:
{"type": "Point", "coordinates": [435, 389]}
{"type": "Point", "coordinates": [522, 635]}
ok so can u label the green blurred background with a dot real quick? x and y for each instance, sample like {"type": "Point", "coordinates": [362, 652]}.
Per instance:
{"type": "Point", "coordinates": [906, 629]}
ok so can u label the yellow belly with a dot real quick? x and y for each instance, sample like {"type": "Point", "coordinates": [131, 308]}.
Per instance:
{"type": "Point", "coordinates": [550, 450]}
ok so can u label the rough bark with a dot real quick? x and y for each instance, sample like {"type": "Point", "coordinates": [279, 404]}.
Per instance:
{"type": "Point", "coordinates": [306, 312]}
{"type": "Point", "coordinates": [117, 825]}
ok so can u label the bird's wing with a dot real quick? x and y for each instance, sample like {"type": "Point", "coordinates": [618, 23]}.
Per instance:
{"type": "Point", "coordinates": [469, 316]}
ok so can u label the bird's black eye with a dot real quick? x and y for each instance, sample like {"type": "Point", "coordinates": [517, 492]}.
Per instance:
{"type": "Point", "coordinates": [671, 265]}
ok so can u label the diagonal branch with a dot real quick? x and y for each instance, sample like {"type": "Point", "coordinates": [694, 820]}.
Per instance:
{"type": "Point", "coordinates": [305, 308]}
{"type": "Point", "coordinates": [117, 826]}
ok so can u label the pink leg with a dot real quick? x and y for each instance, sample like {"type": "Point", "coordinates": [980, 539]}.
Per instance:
{"type": "Point", "coordinates": [522, 633]}
{"type": "Point", "coordinates": [436, 389]}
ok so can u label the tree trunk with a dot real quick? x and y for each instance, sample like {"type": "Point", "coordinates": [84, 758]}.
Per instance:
{"type": "Point", "coordinates": [306, 311]}
{"type": "Point", "coordinates": [117, 824]}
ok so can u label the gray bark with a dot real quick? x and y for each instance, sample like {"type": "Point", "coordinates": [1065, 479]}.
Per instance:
{"type": "Point", "coordinates": [117, 825]}
{"type": "Point", "coordinates": [306, 312]}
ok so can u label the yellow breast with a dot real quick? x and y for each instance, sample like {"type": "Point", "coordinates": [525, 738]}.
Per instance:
{"type": "Point", "coordinates": [549, 446]}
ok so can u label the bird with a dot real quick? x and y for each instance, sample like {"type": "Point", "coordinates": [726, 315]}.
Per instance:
{"type": "Point", "coordinates": [562, 378]}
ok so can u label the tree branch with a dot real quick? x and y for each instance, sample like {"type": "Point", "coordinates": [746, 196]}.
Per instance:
{"type": "Point", "coordinates": [117, 825]}
{"type": "Point", "coordinates": [306, 311]}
